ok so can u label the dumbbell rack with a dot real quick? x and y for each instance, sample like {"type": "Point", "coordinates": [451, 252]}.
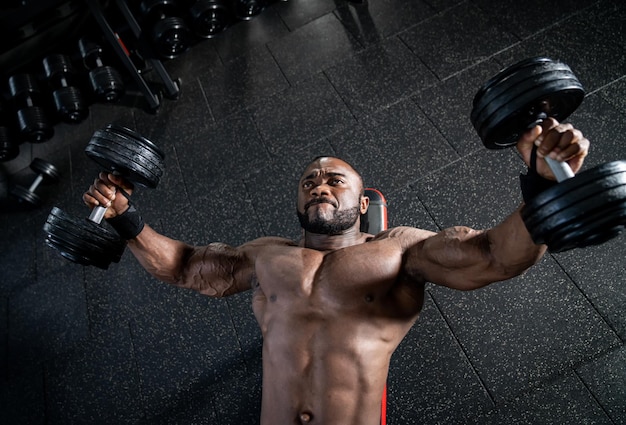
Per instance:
{"type": "Point", "coordinates": [172, 88]}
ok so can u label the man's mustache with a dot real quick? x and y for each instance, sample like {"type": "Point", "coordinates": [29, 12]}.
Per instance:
{"type": "Point", "coordinates": [319, 201]}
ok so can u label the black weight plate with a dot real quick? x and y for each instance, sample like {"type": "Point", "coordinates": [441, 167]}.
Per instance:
{"type": "Point", "coordinates": [515, 76]}
{"type": "Point", "coordinates": [76, 240]}
{"type": "Point", "coordinates": [46, 169]}
{"type": "Point", "coordinates": [68, 252]}
{"type": "Point", "coordinates": [569, 208]}
{"type": "Point", "coordinates": [591, 176]}
{"type": "Point", "coordinates": [149, 7]}
{"type": "Point", "coordinates": [209, 17]}
{"type": "Point", "coordinates": [34, 125]}
{"type": "Point", "coordinates": [557, 99]}
{"type": "Point", "coordinates": [570, 195]}
{"type": "Point", "coordinates": [135, 158]}
{"type": "Point", "coordinates": [127, 138]}
{"type": "Point", "coordinates": [73, 239]}
{"type": "Point", "coordinates": [521, 94]}
{"type": "Point", "coordinates": [576, 208]}
{"type": "Point", "coordinates": [90, 244]}
{"type": "Point", "coordinates": [504, 74]}
{"type": "Point", "coordinates": [93, 236]}
{"type": "Point", "coordinates": [81, 229]}
{"type": "Point", "coordinates": [559, 216]}
{"type": "Point", "coordinates": [593, 229]}
{"type": "Point", "coordinates": [129, 167]}
{"type": "Point", "coordinates": [9, 146]}
{"type": "Point", "coordinates": [77, 255]}
{"type": "Point", "coordinates": [75, 249]}
{"type": "Point", "coordinates": [506, 94]}
{"type": "Point", "coordinates": [138, 138]}
{"type": "Point", "coordinates": [25, 195]}
{"type": "Point", "coordinates": [512, 78]}
{"type": "Point", "coordinates": [139, 157]}
{"type": "Point", "coordinates": [23, 86]}
{"type": "Point", "coordinates": [57, 67]}
{"type": "Point", "coordinates": [70, 105]}
{"type": "Point", "coordinates": [150, 157]}
{"type": "Point", "coordinates": [93, 233]}
{"type": "Point", "coordinates": [106, 82]}
{"type": "Point", "coordinates": [248, 9]}
{"type": "Point", "coordinates": [171, 37]}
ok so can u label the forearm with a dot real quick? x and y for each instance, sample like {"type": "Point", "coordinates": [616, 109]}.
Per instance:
{"type": "Point", "coordinates": [511, 247]}
{"type": "Point", "coordinates": [162, 257]}
{"type": "Point", "coordinates": [216, 270]}
{"type": "Point", "coordinates": [466, 259]}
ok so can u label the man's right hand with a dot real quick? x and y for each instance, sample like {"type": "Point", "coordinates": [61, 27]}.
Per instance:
{"type": "Point", "coordinates": [104, 191]}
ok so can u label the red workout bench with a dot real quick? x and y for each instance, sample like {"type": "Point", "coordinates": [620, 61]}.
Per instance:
{"type": "Point", "coordinates": [374, 221]}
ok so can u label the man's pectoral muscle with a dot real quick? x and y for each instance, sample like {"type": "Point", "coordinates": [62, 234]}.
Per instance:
{"type": "Point", "coordinates": [330, 321]}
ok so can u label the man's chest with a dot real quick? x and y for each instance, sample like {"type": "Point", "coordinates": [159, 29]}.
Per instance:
{"type": "Point", "coordinates": [361, 272]}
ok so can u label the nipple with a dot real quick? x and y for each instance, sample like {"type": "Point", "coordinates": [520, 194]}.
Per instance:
{"type": "Point", "coordinates": [305, 417]}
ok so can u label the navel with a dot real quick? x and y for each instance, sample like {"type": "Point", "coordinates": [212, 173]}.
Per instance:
{"type": "Point", "coordinates": [273, 298]}
{"type": "Point", "coordinates": [306, 417]}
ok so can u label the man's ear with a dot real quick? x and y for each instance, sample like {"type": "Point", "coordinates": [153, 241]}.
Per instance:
{"type": "Point", "coordinates": [365, 203]}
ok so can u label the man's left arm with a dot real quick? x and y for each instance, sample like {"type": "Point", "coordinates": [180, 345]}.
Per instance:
{"type": "Point", "coordinates": [464, 258]}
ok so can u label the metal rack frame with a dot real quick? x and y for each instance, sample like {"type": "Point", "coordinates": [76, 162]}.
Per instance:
{"type": "Point", "coordinates": [172, 89]}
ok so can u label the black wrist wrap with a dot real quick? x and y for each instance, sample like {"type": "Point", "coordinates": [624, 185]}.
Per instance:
{"type": "Point", "coordinates": [531, 183]}
{"type": "Point", "coordinates": [128, 224]}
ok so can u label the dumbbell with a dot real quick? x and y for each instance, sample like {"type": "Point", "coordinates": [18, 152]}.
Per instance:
{"type": "Point", "coordinates": [169, 33]}
{"type": "Point", "coordinates": [105, 81]}
{"type": "Point", "coordinates": [9, 143]}
{"type": "Point", "coordinates": [248, 9]}
{"type": "Point", "coordinates": [121, 151]}
{"type": "Point", "coordinates": [33, 124]}
{"type": "Point", "coordinates": [581, 210]}
{"type": "Point", "coordinates": [209, 17]}
{"type": "Point", "coordinates": [46, 172]}
{"type": "Point", "coordinates": [67, 98]}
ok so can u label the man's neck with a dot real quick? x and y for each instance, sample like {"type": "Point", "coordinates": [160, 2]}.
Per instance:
{"type": "Point", "coordinates": [321, 242]}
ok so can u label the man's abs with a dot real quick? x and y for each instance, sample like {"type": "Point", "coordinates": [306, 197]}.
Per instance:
{"type": "Point", "coordinates": [330, 322]}
{"type": "Point", "coordinates": [322, 371]}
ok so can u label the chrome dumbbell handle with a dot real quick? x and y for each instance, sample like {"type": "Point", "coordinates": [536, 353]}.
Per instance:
{"type": "Point", "coordinates": [97, 214]}
{"type": "Point", "coordinates": [561, 170]}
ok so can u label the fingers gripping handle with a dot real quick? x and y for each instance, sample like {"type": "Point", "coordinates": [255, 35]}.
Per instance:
{"type": "Point", "coordinates": [97, 214]}
{"type": "Point", "coordinates": [561, 170]}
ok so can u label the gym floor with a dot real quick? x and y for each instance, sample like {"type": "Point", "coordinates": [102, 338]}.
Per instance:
{"type": "Point", "coordinates": [387, 86]}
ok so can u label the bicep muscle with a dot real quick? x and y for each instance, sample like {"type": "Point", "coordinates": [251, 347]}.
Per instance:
{"type": "Point", "coordinates": [217, 270]}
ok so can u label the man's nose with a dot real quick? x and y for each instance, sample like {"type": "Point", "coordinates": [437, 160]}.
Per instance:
{"type": "Point", "coordinates": [320, 190]}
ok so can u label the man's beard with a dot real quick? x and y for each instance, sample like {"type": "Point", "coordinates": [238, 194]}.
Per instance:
{"type": "Point", "coordinates": [343, 220]}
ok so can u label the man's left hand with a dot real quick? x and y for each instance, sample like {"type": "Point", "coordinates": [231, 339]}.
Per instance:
{"type": "Point", "coordinates": [561, 142]}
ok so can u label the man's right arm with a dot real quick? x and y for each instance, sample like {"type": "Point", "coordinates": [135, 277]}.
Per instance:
{"type": "Point", "coordinates": [216, 269]}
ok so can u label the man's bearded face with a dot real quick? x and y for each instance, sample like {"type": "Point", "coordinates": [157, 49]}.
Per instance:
{"type": "Point", "coordinates": [327, 220]}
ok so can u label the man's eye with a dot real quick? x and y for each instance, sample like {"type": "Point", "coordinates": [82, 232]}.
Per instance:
{"type": "Point", "coordinates": [337, 181]}
{"type": "Point", "coordinates": [307, 185]}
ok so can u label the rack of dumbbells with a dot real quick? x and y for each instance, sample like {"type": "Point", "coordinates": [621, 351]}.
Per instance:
{"type": "Point", "coordinates": [105, 51]}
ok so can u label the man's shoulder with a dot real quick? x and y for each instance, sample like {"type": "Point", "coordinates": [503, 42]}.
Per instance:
{"type": "Point", "coordinates": [268, 241]}
{"type": "Point", "coordinates": [405, 235]}
{"type": "Point", "coordinates": [404, 231]}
